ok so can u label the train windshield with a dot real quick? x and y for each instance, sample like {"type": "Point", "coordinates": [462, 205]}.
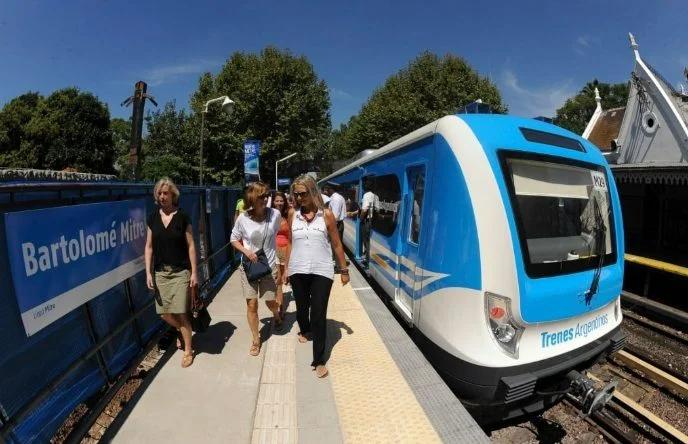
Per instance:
{"type": "Point", "coordinates": [563, 215]}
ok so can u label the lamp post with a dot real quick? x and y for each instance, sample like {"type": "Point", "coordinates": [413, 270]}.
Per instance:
{"type": "Point", "coordinates": [227, 106]}
{"type": "Point", "coordinates": [277, 175]}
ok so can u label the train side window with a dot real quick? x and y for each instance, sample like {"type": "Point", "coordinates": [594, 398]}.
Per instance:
{"type": "Point", "coordinates": [417, 211]}
{"type": "Point", "coordinates": [350, 194]}
{"type": "Point", "coordinates": [388, 193]}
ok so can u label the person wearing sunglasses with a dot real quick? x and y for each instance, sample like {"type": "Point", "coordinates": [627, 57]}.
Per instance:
{"type": "Point", "coordinates": [309, 266]}
{"type": "Point", "coordinates": [256, 229]}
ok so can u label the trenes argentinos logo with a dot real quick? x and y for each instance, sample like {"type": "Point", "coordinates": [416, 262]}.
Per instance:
{"type": "Point", "coordinates": [581, 329]}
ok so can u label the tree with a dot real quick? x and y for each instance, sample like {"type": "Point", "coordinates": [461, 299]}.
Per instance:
{"type": "Point", "coordinates": [14, 118]}
{"type": "Point", "coordinates": [68, 129]}
{"type": "Point", "coordinates": [121, 139]}
{"type": "Point", "coordinates": [170, 149]}
{"type": "Point", "coordinates": [428, 88]}
{"type": "Point", "coordinates": [279, 100]}
{"type": "Point", "coordinates": [577, 111]}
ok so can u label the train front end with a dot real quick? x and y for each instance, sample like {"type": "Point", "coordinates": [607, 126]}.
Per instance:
{"type": "Point", "coordinates": [551, 251]}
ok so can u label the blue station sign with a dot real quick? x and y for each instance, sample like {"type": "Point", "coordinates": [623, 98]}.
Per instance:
{"type": "Point", "coordinates": [62, 257]}
{"type": "Point", "coordinates": [252, 160]}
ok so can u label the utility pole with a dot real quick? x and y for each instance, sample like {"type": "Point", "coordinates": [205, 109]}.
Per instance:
{"type": "Point", "coordinates": [138, 100]}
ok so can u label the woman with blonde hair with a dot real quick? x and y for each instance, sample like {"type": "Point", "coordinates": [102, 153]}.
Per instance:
{"type": "Point", "coordinates": [309, 266]}
{"type": "Point", "coordinates": [171, 261]}
{"type": "Point", "coordinates": [255, 230]}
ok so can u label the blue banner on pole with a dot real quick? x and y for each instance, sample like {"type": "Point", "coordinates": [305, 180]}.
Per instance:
{"type": "Point", "coordinates": [283, 182]}
{"type": "Point", "coordinates": [252, 160]}
{"type": "Point", "coordinates": [63, 257]}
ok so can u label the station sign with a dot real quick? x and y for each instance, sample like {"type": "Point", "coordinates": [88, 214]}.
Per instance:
{"type": "Point", "coordinates": [283, 182]}
{"type": "Point", "coordinates": [62, 257]}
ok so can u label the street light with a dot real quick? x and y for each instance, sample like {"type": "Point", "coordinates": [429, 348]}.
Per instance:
{"type": "Point", "coordinates": [227, 106]}
{"type": "Point", "coordinates": [277, 175]}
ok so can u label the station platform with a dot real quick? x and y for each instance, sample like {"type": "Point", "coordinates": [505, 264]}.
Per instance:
{"type": "Point", "coordinates": [380, 388]}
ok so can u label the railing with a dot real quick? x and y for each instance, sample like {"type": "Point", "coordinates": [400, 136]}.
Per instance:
{"type": "Point", "coordinates": [654, 264]}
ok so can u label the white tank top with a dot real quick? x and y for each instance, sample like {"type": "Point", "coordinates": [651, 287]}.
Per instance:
{"type": "Point", "coordinates": [311, 252]}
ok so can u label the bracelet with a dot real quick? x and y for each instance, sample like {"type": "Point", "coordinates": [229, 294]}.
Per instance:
{"type": "Point", "coordinates": [344, 270]}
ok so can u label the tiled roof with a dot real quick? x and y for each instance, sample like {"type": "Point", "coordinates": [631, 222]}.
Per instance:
{"type": "Point", "coordinates": [607, 128]}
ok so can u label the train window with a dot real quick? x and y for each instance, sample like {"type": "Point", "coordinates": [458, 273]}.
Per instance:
{"type": "Point", "coordinates": [350, 194]}
{"type": "Point", "coordinates": [418, 190]}
{"type": "Point", "coordinates": [536, 136]}
{"type": "Point", "coordinates": [564, 215]}
{"type": "Point", "coordinates": [388, 193]}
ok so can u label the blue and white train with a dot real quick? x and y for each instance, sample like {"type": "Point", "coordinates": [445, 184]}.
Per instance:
{"type": "Point", "coordinates": [500, 241]}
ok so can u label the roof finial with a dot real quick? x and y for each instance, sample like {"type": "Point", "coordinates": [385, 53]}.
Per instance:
{"type": "Point", "coordinates": [634, 45]}
{"type": "Point", "coordinates": [598, 99]}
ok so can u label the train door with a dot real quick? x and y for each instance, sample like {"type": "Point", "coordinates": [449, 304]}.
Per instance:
{"type": "Point", "coordinates": [409, 262]}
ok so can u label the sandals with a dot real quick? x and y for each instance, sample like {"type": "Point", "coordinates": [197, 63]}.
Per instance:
{"type": "Point", "coordinates": [187, 360]}
{"type": "Point", "coordinates": [255, 349]}
{"type": "Point", "coordinates": [303, 338]}
{"type": "Point", "coordinates": [321, 371]}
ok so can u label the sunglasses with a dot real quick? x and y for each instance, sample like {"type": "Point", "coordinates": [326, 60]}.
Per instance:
{"type": "Point", "coordinates": [300, 194]}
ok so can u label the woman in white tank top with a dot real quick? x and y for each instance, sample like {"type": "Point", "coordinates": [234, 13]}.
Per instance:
{"type": "Point", "coordinates": [309, 267]}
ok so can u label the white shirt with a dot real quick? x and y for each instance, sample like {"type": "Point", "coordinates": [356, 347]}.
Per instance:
{"type": "Point", "coordinates": [251, 233]}
{"type": "Point", "coordinates": [311, 252]}
{"type": "Point", "coordinates": [325, 198]}
{"type": "Point", "coordinates": [338, 206]}
{"type": "Point", "coordinates": [370, 203]}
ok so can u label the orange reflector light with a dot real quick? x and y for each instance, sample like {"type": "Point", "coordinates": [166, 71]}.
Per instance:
{"type": "Point", "coordinates": [497, 312]}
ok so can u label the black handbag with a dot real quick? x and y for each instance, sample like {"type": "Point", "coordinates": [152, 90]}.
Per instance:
{"type": "Point", "coordinates": [260, 268]}
{"type": "Point", "coordinates": [200, 318]}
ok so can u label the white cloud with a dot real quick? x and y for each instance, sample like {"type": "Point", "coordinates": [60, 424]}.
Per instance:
{"type": "Point", "coordinates": [583, 41]}
{"type": "Point", "coordinates": [167, 74]}
{"type": "Point", "coordinates": [340, 94]}
{"type": "Point", "coordinates": [533, 102]}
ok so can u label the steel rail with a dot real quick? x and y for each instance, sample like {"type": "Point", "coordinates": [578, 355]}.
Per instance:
{"type": "Point", "coordinates": [644, 414]}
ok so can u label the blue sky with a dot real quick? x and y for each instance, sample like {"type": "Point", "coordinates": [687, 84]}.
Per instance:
{"type": "Point", "coordinates": [537, 52]}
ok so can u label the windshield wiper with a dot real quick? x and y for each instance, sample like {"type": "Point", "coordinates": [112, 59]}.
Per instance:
{"type": "Point", "coordinates": [600, 246]}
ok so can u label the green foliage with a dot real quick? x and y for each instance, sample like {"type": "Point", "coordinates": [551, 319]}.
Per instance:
{"type": "Point", "coordinates": [168, 165]}
{"type": "Point", "coordinates": [170, 148]}
{"type": "Point", "coordinates": [577, 111]}
{"type": "Point", "coordinates": [121, 139]}
{"type": "Point", "coordinates": [68, 129]}
{"type": "Point", "coordinates": [428, 88]}
{"type": "Point", "coordinates": [279, 100]}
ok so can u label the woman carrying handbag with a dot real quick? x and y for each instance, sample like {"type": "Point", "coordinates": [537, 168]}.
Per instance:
{"type": "Point", "coordinates": [253, 236]}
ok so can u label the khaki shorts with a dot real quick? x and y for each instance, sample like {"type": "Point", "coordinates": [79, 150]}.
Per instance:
{"type": "Point", "coordinates": [264, 288]}
{"type": "Point", "coordinates": [281, 255]}
{"type": "Point", "coordinates": [173, 287]}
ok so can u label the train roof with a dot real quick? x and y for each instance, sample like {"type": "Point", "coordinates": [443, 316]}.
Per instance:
{"type": "Point", "coordinates": [492, 130]}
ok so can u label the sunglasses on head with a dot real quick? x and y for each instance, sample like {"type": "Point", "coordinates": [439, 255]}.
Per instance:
{"type": "Point", "coordinates": [300, 194]}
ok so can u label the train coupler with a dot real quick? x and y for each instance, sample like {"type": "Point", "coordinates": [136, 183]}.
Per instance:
{"type": "Point", "coordinates": [590, 398]}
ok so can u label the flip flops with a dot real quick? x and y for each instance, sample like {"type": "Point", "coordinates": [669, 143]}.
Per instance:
{"type": "Point", "coordinates": [187, 360]}
{"type": "Point", "coordinates": [321, 371]}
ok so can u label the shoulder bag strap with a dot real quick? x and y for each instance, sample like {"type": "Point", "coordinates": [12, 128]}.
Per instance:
{"type": "Point", "coordinates": [268, 217]}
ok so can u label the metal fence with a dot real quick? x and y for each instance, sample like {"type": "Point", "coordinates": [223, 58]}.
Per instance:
{"type": "Point", "coordinates": [45, 376]}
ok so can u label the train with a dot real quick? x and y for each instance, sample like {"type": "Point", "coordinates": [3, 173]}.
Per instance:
{"type": "Point", "coordinates": [499, 241]}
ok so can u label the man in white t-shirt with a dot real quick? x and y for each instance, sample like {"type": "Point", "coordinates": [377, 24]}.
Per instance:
{"type": "Point", "coordinates": [369, 205]}
{"type": "Point", "coordinates": [338, 207]}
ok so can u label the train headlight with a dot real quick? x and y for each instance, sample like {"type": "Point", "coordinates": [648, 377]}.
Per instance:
{"type": "Point", "coordinates": [502, 325]}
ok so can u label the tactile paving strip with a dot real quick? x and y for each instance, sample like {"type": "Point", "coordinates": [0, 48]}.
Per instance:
{"type": "Point", "coordinates": [374, 402]}
{"type": "Point", "coordinates": [443, 409]}
{"type": "Point", "coordinates": [275, 417]}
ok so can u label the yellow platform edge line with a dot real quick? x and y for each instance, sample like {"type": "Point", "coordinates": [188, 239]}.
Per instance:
{"type": "Point", "coordinates": [657, 264]}
{"type": "Point", "coordinates": [374, 401]}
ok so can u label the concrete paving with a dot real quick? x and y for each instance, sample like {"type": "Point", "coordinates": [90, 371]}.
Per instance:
{"type": "Point", "coordinates": [216, 400]}
{"type": "Point", "coordinates": [228, 396]}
